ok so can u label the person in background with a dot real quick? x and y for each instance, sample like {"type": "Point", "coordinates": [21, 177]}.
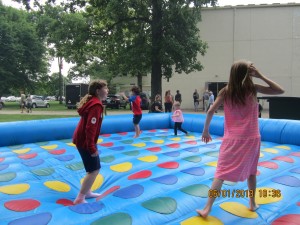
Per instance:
{"type": "Point", "coordinates": [240, 148]}
{"type": "Point", "coordinates": [196, 100]}
{"type": "Point", "coordinates": [168, 101]}
{"type": "Point", "coordinates": [178, 96]}
{"type": "Point", "coordinates": [205, 100]}
{"type": "Point", "coordinates": [260, 109]}
{"type": "Point", "coordinates": [135, 102]}
{"type": "Point", "coordinates": [22, 102]}
{"type": "Point", "coordinates": [177, 117]}
{"type": "Point", "coordinates": [85, 137]}
{"type": "Point", "coordinates": [29, 104]}
{"type": "Point", "coordinates": [156, 106]}
{"type": "Point", "coordinates": [211, 100]}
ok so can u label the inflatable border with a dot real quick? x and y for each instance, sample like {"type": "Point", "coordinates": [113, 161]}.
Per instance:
{"type": "Point", "coordinates": [22, 132]}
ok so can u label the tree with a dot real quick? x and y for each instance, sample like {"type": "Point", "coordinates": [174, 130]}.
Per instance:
{"type": "Point", "coordinates": [135, 36]}
{"type": "Point", "coordinates": [22, 54]}
{"type": "Point", "coordinates": [64, 33]}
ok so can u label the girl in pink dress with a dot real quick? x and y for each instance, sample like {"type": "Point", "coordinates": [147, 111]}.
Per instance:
{"type": "Point", "coordinates": [239, 151]}
{"type": "Point", "coordinates": [177, 117]}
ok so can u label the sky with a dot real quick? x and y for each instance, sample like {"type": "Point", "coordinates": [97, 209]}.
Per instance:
{"type": "Point", "coordinates": [54, 67]}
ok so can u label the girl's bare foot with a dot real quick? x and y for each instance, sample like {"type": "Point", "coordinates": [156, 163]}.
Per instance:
{"type": "Point", "coordinates": [203, 213]}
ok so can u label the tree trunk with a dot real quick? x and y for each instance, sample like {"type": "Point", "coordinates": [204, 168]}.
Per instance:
{"type": "Point", "coordinates": [156, 26]}
{"type": "Point", "coordinates": [60, 80]}
{"type": "Point", "coordinates": [140, 81]}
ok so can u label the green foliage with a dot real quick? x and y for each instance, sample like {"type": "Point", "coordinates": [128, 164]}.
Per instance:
{"type": "Point", "coordinates": [22, 53]}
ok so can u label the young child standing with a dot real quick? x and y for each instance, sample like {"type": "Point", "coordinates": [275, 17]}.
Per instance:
{"type": "Point", "coordinates": [135, 102]}
{"type": "Point", "coordinates": [177, 117]}
{"type": "Point", "coordinates": [239, 151]}
{"type": "Point", "coordinates": [86, 135]}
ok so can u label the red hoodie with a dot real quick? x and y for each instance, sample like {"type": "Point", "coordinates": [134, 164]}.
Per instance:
{"type": "Point", "coordinates": [88, 129]}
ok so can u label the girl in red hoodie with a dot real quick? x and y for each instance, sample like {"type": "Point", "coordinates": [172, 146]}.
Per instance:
{"type": "Point", "coordinates": [86, 135]}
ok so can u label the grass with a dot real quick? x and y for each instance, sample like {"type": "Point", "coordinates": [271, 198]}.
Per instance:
{"type": "Point", "coordinates": [24, 117]}
{"type": "Point", "coordinates": [54, 106]}
{"type": "Point", "coordinates": [59, 110]}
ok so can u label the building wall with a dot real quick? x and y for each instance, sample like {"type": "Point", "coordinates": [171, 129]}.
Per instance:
{"type": "Point", "coordinates": [267, 35]}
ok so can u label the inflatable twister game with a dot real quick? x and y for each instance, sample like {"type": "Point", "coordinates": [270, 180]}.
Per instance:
{"type": "Point", "coordinates": [156, 179]}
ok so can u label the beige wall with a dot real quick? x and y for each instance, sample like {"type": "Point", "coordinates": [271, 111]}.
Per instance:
{"type": "Point", "coordinates": [268, 35]}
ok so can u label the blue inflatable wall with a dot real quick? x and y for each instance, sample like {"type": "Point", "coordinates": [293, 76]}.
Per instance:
{"type": "Point", "coordinates": [156, 179]}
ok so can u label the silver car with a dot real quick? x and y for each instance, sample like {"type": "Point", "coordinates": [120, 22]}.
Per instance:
{"type": "Point", "coordinates": [39, 102]}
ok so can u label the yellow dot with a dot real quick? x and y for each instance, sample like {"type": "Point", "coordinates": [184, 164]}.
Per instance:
{"type": "Point", "coordinates": [158, 141]}
{"type": "Point", "coordinates": [283, 147]}
{"type": "Point", "coordinates": [238, 209]}
{"type": "Point", "coordinates": [266, 196]}
{"type": "Point", "coordinates": [71, 144]}
{"type": "Point", "coordinates": [14, 189]}
{"type": "Point", "coordinates": [97, 183]}
{"type": "Point", "coordinates": [175, 139]}
{"type": "Point", "coordinates": [140, 145]}
{"type": "Point", "coordinates": [100, 140]}
{"type": "Point", "coordinates": [122, 167]}
{"type": "Point", "coordinates": [21, 151]}
{"type": "Point", "coordinates": [49, 147]}
{"type": "Point", "coordinates": [214, 163]}
{"type": "Point", "coordinates": [57, 186]}
{"type": "Point", "coordinates": [270, 150]}
{"type": "Point", "coordinates": [149, 158]}
{"type": "Point", "coordinates": [196, 220]}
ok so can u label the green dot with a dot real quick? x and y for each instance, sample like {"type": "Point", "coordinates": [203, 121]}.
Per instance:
{"type": "Point", "coordinates": [75, 166]}
{"type": "Point", "coordinates": [198, 190]}
{"type": "Point", "coordinates": [7, 177]}
{"type": "Point", "coordinates": [107, 159]}
{"type": "Point", "coordinates": [42, 143]}
{"type": "Point", "coordinates": [194, 159]}
{"type": "Point", "coordinates": [146, 138]}
{"type": "Point", "coordinates": [43, 172]}
{"type": "Point", "coordinates": [114, 219]}
{"type": "Point", "coordinates": [127, 141]}
{"type": "Point", "coordinates": [132, 153]}
{"type": "Point", "coordinates": [15, 146]}
{"type": "Point", "coordinates": [162, 205]}
{"type": "Point", "coordinates": [213, 154]}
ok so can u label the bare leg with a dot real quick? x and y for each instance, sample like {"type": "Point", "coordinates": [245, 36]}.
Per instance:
{"type": "Point", "coordinates": [137, 130]}
{"type": "Point", "coordinates": [252, 186]}
{"type": "Point", "coordinates": [216, 185]}
{"type": "Point", "coordinates": [86, 187]}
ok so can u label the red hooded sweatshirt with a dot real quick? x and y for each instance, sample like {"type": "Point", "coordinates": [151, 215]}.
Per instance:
{"type": "Point", "coordinates": [88, 129]}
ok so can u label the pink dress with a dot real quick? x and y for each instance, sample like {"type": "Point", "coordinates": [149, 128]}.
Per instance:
{"type": "Point", "coordinates": [240, 148]}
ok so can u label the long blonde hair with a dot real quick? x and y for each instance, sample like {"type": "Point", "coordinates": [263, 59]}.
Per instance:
{"type": "Point", "coordinates": [240, 83]}
{"type": "Point", "coordinates": [93, 86]}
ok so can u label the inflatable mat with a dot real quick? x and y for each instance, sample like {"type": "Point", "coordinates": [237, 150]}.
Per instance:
{"type": "Point", "coordinates": [156, 179]}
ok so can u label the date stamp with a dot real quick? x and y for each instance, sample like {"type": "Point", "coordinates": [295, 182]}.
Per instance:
{"type": "Point", "coordinates": [235, 193]}
{"type": "Point", "coordinates": [241, 193]}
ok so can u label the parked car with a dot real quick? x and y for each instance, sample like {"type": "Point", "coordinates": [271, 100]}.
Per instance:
{"type": "Point", "coordinates": [38, 102]}
{"type": "Point", "coordinates": [1, 104]}
{"type": "Point", "coordinates": [145, 103]}
{"type": "Point", "coordinates": [11, 99]}
{"type": "Point", "coordinates": [115, 101]}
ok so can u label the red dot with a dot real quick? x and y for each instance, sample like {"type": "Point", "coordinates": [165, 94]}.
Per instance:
{"type": "Point", "coordinates": [140, 175]}
{"type": "Point", "coordinates": [169, 165]}
{"type": "Point", "coordinates": [22, 205]}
